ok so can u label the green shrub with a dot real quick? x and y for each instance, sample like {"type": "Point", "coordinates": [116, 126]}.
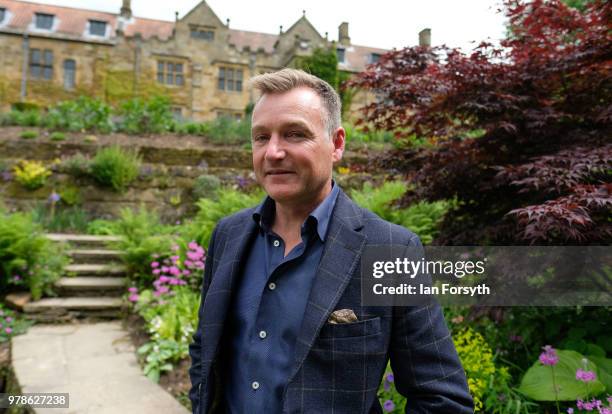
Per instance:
{"type": "Point", "coordinates": [422, 218]}
{"type": "Point", "coordinates": [27, 257]}
{"type": "Point", "coordinates": [115, 167]}
{"type": "Point", "coordinates": [70, 195]}
{"type": "Point", "coordinates": [102, 227]}
{"type": "Point", "coordinates": [31, 174]}
{"type": "Point", "coordinates": [11, 324]}
{"type": "Point", "coordinates": [153, 116]}
{"type": "Point", "coordinates": [29, 134]}
{"type": "Point", "coordinates": [30, 118]}
{"type": "Point", "coordinates": [57, 136]}
{"type": "Point", "coordinates": [206, 186]}
{"type": "Point", "coordinates": [78, 165]}
{"type": "Point", "coordinates": [171, 325]}
{"type": "Point", "coordinates": [82, 114]}
{"type": "Point", "coordinates": [225, 130]}
{"type": "Point", "coordinates": [142, 235]}
{"type": "Point", "coordinates": [61, 219]}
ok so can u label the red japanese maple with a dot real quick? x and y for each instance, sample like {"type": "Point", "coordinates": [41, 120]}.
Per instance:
{"type": "Point", "coordinates": [539, 168]}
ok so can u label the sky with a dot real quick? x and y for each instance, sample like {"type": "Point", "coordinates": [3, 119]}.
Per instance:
{"type": "Point", "coordinates": [381, 23]}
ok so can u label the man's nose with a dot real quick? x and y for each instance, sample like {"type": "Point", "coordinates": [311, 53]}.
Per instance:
{"type": "Point", "coordinates": [275, 149]}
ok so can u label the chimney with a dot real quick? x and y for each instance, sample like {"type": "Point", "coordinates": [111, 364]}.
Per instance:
{"type": "Point", "coordinates": [425, 38]}
{"type": "Point", "coordinates": [343, 34]}
{"type": "Point", "coordinates": [126, 10]}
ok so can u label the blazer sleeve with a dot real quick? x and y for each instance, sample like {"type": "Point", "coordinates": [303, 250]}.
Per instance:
{"type": "Point", "coordinates": [195, 346]}
{"type": "Point", "coordinates": [426, 367]}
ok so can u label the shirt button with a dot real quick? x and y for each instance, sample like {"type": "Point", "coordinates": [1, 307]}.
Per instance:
{"type": "Point", "coordinates": [255, 385]}
{"type": "Point", "coordinates": [271, 285]}
{"type": "Point", "coordinates": [262, 334]}
{"type": "Point", "coordinates": [276, 243]}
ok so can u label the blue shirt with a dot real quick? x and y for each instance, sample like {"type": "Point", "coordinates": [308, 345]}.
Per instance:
{"type": "Point", "coordinates": [268, 309]}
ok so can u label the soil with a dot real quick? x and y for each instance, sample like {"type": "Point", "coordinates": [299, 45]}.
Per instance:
{"type": "Point", "coordinates": [175, 382]}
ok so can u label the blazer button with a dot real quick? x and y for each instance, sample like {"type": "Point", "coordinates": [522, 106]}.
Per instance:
{"type": "Point", "coordinates": [276, 243]}
{"type": "Point", "coordinates": [255, 385]}
{"type": "Point", "coordinates": [271, 285]}
{"type": "Point", "coordinates": [262, 334]}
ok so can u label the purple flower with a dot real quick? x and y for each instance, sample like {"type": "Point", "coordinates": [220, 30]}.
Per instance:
{"type": "Point", "coordinates": [154, 264]}
{"type": "Point", "coordinates": [174, 271]}
{"type": "Point", "coordinates": [186, 272]}
{"type": "Point", "coordinates": [570, 411]}
{"type": "Point", "coordinates": [156, 271]}
{"type": "Point", "coordinates": [549, 356]}
{"type": "Point", "coordinates": [164, 279]}
{"type": "Point", "coordinates": [585, 376]}
{"type": "Point", "coordinates": [188, 263]}
{"type": "Point", "coordinates": [389, 406]}
{"type": "Point", "coordinates": [164, 269]}
{"type": "Point", "coordinates": [8, 319]}
{"type": "Point", "coordinates": [54, 197]}
{"type": "Point", "coordinates": [174, 258]}
{"type": "Point", "coordinates": [389, 377]}
{"type": "Point", "coordinates": [133, 297]}
{"type": "Point", "coordinates": [133, 290]}
{"type": "Point", "coordinates": [386, 386]}
{"type": "Point", "coordinates": [193, 245]}
{"type": "Point", "coordinates": [8, 330]}
{"type": "Point", "coordinates": [178, 223]}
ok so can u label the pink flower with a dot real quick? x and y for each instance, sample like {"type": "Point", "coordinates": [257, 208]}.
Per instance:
{"type": "Point", "coordinates": [174, 271]}
{"type": "Point", "coordinates": [164, 269]}
{"type": "Point", "coordinates": [133, 297]}
{"type": "Point", "coordinates": [188, 263]}
{"type": "Point", "coordinates": [585, 376]}
{"type": "Point", "coordinates": [186, 272]}
{"type": "Point", "coordinates": [8, 319]}
{"type": "Point", "coordinates": [133, 290]}
{"type": "Point", "coordinates": [175, 247]}
{"type": "Point", "coordinates": [164, 279]}
{"type": "Point", "coordinates": [199, 264]}
{"type": "Point", "coordinates": [156, 271]}
{"type": "Point", "coordinates": [8, 330]}
{"type": "Point", "coordinates": [154, 264]}
{"type": "Point", "coordinates": [193, 245]}
{"type": "Point", "coordinates": [549, 356]}
{"type": "Point", "coordinates": [194, 256]}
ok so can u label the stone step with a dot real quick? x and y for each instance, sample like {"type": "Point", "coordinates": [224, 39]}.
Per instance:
{"type": "Point", "coordinates": [83, 240]}
{"type": "Point", "coordinates": [63, 309]}
{"type": "Point", "coordinates": [94, 256]}
{"type": "Point", "coordinates": [96, 269]}
{"type": "Point", "coordinates": [91, 286]}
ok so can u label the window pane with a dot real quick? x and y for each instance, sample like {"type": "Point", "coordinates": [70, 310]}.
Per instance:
{"type": "Point", "coordinates": [340, 55]}
{"type": "Point", "coordinates": [178, 80]}
{"type": "Point", "coordinates": [97, 28]}
{"type": "Point", "coordinates": [221, 78]}
{"type": "Point", "coordinates": [169, 78]}
{"type": "Point", "coordinates": [69, 64]}
{"type": "Point", "coordinates": [230, 74]}
{"type": "Point", "coordinates": [178, 67]}
{"type": "Point", "coordinates": [34, 56]}
{"type": "Point", "coordinates": [238, 85]}
{"type": "Point", "coordinates": [160, 77]}
{"type": "Point", "coordinates": [2, 10]}
{"type": "Point", "coordinates": [44, 21]}
{"type": "Point", "coordinates": [160, 66]}
{"type": "Point", "coordinates": [48, 57]}
{"type": "Point", "coordinates": [170, 67]}
{"type": "Point", "coordinates": [47, 72]}
{"type": "Point", "coordinates": [35, 71]}
{"type": "Point", "coordinates": [239, 74]}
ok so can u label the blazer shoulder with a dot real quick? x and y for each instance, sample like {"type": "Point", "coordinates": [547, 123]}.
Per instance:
{"type": "Point", "coordinates": [381, 231]}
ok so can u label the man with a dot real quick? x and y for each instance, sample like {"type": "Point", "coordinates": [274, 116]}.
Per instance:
{"type": "Point", "coordinates": [282, 327]}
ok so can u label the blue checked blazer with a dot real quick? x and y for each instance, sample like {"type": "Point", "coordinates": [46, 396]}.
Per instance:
{"type": "Point", "coordinates": [337, 368]}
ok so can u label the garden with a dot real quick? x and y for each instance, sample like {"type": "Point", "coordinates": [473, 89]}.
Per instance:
{"type": "Point", "coordinates": [505, 146]}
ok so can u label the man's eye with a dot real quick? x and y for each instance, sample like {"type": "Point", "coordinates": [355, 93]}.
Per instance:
{"type": "Point", "coordinates": [296, 134]}
{"type": "Point", "coordinates": [259, 138]}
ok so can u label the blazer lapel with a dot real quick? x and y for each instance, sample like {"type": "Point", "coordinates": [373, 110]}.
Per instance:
{"type": "Point", "coordinates": [216, 304]}
{"type": "Point", "coordinates": [341, 254]}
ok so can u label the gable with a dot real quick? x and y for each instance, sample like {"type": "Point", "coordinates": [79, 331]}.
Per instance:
{"type": "Point", "coordinates": [202, 15]}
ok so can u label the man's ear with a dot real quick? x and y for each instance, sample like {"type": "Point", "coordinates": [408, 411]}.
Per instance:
{"type": "Point", "coordinates": [338, 141]}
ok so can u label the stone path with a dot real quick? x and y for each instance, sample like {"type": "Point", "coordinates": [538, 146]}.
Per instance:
{"type": "Point", "coordinates": [95, 363]}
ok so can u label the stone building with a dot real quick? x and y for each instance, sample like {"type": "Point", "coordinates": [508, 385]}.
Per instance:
{"type": "Point", "coordinates": [49, 53]}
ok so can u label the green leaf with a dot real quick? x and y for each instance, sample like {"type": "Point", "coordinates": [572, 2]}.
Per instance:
{"type": "Point", "coordinates": [537, 383]}
{"type": "Point", "coordinates": [595, 350]}
{"type": "Point", "coordinates": [604, 366]}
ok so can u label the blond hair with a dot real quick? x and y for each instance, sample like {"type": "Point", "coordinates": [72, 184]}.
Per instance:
{"type": "Point", "coordinates": [287, 79]}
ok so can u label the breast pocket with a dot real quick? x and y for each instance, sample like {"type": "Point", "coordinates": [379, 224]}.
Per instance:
{"type": "Point", "coordinates": [354, 329]}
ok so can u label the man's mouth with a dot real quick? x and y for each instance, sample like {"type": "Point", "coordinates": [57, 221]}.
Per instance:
{"type": "Point", "coordinates": [279, 172]}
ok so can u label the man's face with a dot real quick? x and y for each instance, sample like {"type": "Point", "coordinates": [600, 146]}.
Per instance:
{"type": "Point", "coordinates": [293, 154]}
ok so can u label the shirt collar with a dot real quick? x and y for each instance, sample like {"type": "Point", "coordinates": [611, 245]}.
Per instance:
{"type": "Point", "coordinates": [264, 213]}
